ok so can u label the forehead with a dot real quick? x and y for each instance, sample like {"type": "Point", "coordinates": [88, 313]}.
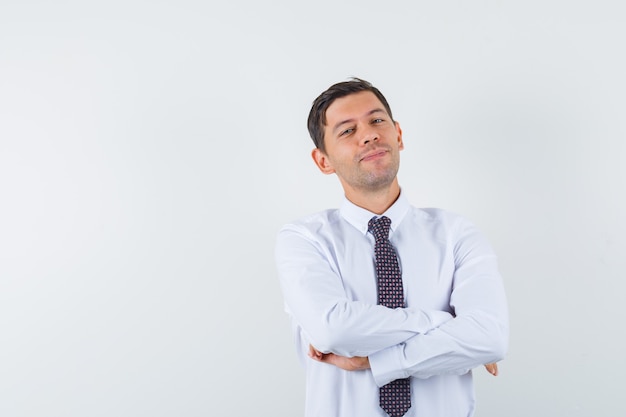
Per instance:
{"type": "Point", "coordinates": [352, 106]}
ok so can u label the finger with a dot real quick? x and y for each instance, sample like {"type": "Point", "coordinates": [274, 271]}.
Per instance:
{"type": "Point", "coordinates": [314, 353]}
{"type": "Point", "coordinates": [492, 368]}
{"type": "Point", "coordinates": [329, 358]}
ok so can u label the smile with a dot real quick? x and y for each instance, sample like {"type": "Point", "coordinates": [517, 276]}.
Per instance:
{"type": "Point", "coordinates": [374, 155]}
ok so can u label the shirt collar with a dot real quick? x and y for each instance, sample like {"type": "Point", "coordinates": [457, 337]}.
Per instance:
{"type": "Point", "coordinates": [360, 217]}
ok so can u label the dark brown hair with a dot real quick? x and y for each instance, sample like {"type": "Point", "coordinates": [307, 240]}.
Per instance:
{"type": "Point", "coordinates": [317, 116]}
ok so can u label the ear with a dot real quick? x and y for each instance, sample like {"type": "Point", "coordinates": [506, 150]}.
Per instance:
{"type": "Point", "coordinates": [399, 130]}
{"type": "Point", "coordinates": [322, 161]}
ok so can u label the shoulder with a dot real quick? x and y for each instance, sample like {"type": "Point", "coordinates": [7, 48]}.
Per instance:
{"type": "Point", "coordinates": [313, 224]}
{"type": "Point", "coordinates": [439, 224]}
{"type": "Point", "coordinates": [454, 229]}
{"type": "Point", "coordinates": [314, 221]}
{"type": "Point", "coordinates": [312, 233]}
{"type": "Point", "coordinates": [437, 217]}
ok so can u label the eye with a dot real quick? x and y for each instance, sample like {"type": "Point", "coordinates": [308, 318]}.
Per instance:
{"type": "Point", "coordinates": [346, 132]}
{"type": "Point", "coordinates": [376, 121]}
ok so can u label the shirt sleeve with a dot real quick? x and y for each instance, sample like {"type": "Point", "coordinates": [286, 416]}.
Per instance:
{"type": "Point", "coordinates": [478, 333]}
{"type": "Point", "coordinates": [316, 299]}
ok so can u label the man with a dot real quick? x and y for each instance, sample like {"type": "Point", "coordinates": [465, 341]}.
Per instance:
{"type": "Point", "coordinates": [391, 305]}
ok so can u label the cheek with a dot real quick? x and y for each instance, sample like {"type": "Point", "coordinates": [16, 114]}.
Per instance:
{"type": "Point", "coordinates": [341, 154]}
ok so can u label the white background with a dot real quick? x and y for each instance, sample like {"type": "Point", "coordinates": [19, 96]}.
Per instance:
{"type": "Point", "coordinates": [150, 151]}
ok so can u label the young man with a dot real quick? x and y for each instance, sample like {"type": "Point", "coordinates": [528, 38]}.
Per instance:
{"type": "Point", "coordinates": [391, 305]}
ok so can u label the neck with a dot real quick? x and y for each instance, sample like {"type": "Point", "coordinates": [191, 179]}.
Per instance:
{"type": "Point", "coordinates": [376, 201]}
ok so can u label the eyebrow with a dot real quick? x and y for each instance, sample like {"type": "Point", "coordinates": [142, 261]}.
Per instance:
{"type": "Point", "coordinates": [369, 113]}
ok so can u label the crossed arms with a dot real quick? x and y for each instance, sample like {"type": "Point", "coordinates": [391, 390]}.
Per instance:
{"type": "Point", "coordinates": [395, 343]}
{"type": "Point", "coordinates": [360, 363]}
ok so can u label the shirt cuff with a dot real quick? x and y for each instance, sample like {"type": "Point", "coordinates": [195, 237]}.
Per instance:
{"type": "Point", "coordinates": [386, 366]}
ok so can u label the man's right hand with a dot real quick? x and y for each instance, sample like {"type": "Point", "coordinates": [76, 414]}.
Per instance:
{"type": "Point", "coordinates": [492, 368]}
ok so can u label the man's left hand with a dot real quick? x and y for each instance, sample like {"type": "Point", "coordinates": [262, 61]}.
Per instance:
{"type": "Point", "coordinates": [356, 363]}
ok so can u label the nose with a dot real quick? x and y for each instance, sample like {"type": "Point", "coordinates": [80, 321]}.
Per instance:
{"type": "Point", "coordinates": [369, 135]}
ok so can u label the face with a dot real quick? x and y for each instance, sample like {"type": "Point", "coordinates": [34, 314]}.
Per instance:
{"type": "Point", "coordinates": [362, 144]}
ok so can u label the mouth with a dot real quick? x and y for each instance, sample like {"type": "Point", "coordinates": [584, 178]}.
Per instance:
{"type": "Point", "coordinates": [370, 156]}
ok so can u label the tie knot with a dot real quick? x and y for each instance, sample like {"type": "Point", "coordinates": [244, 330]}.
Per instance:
{"type": "Point", "coordinates": [379, 227]}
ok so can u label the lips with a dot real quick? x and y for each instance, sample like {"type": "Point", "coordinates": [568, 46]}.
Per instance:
{"type": "Point", "coordinates": [375, 154]}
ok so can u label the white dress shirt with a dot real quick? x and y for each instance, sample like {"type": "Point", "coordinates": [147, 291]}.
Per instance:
{"type": "Point", "coordinates": [456, 316]}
